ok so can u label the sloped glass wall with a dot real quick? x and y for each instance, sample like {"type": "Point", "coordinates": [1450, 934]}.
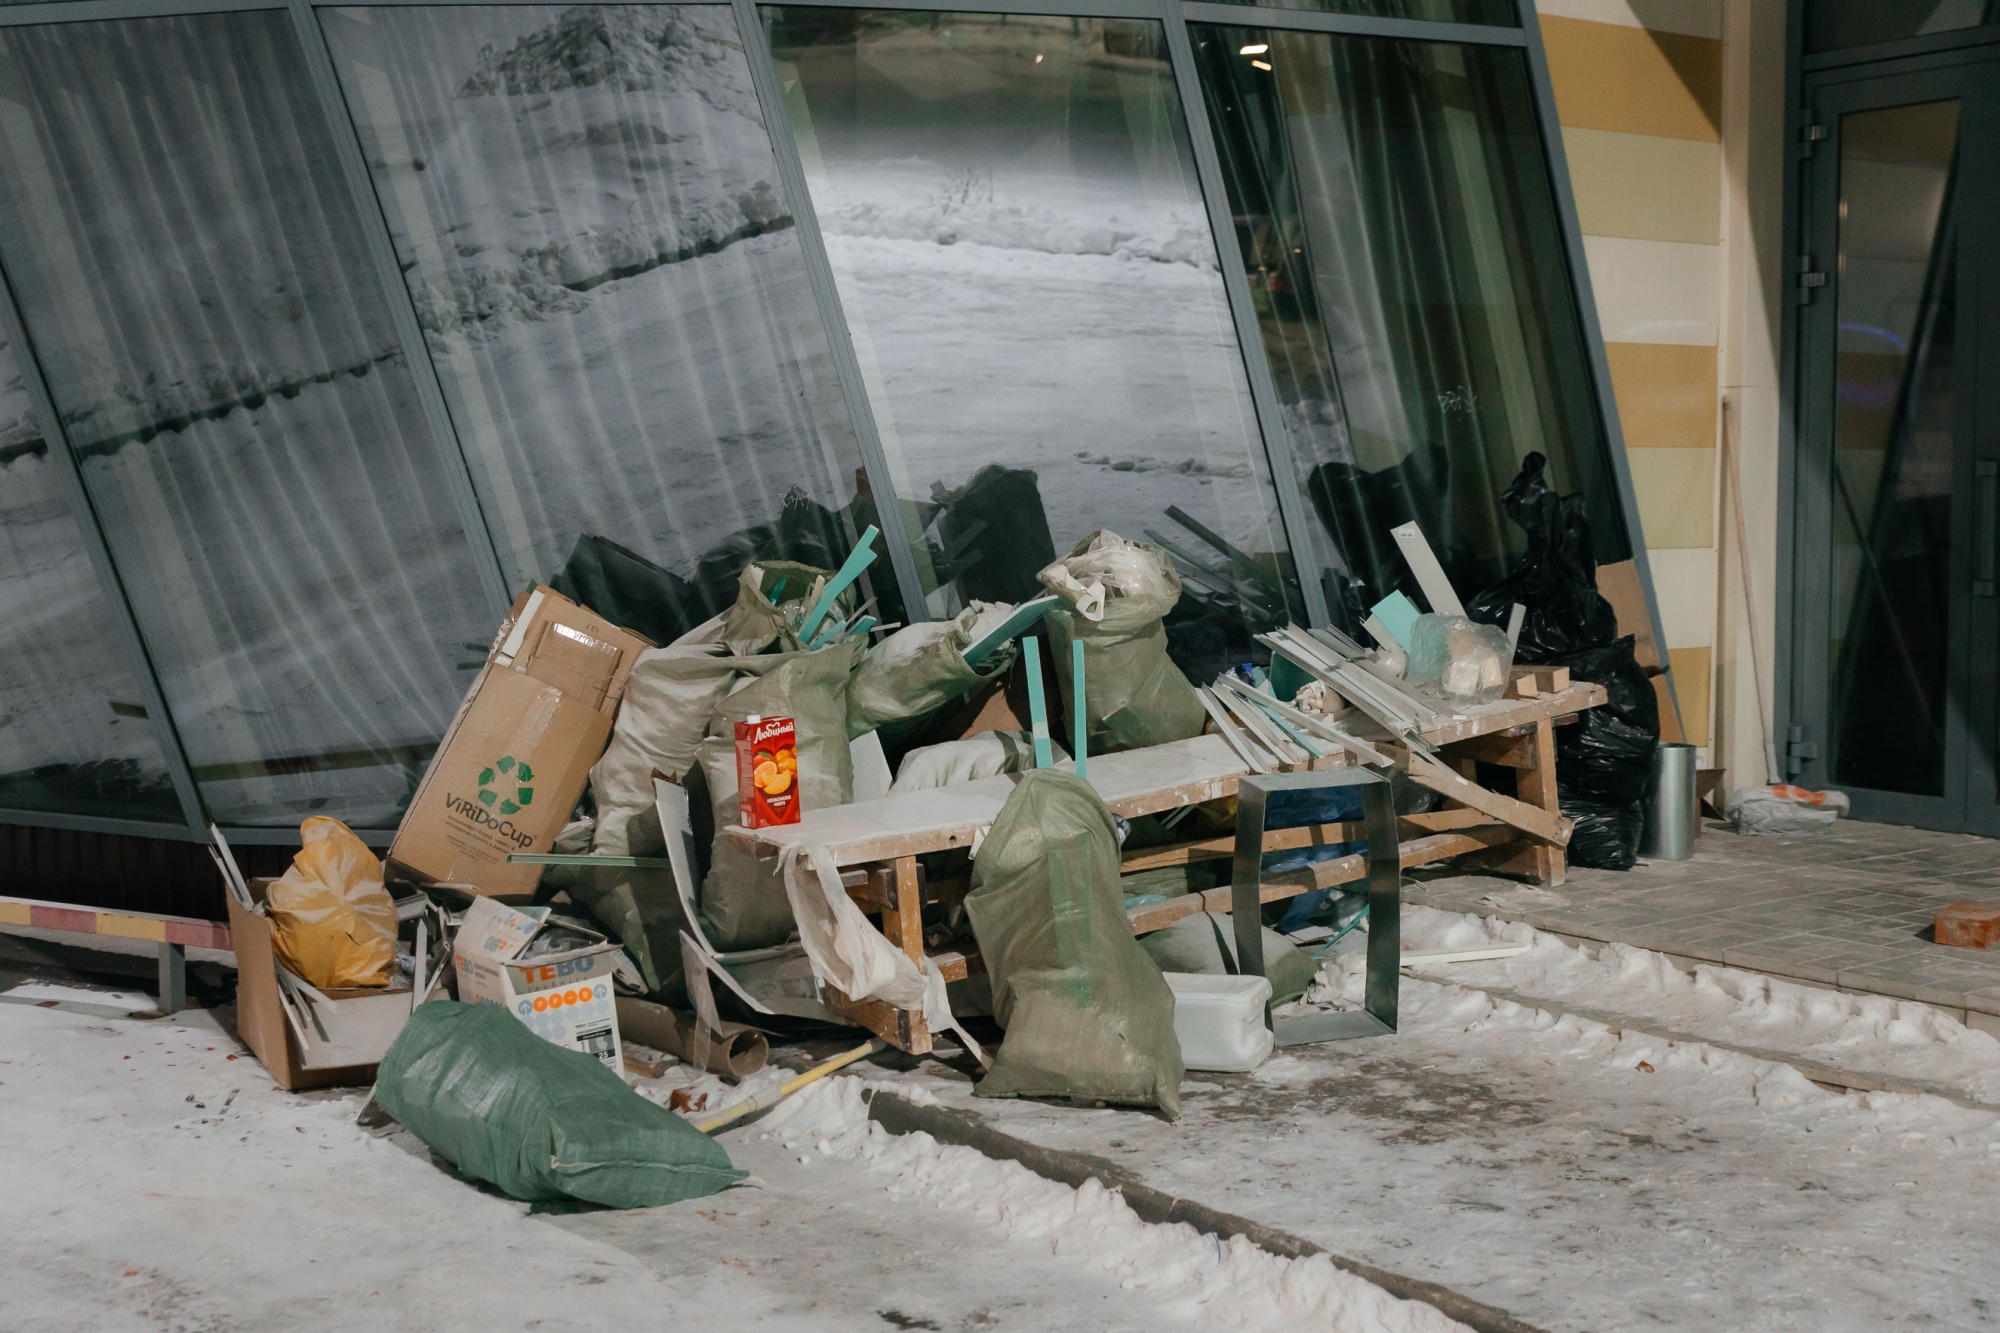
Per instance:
{"type": "Point", "coordinates": [74, 736]}
{"type": "Point", "coordinates": [586, 207]}
{"type": "Point", "coordinates": [1394, 210]}
{"type": "Point", "coordinates": [1012, 213]}
{"type": "Point", "coordinates": [193, 272]}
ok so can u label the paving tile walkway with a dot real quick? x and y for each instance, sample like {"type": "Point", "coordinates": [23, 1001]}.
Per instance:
{"type": "Point", "coordinates": [1851, 908]}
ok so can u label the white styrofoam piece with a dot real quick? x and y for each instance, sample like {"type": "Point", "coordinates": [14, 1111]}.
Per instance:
{"type": "Point", "coordinates": [1423, 562]}
{"type": "Point", "coordinates": [1220, 1021]}
{"type": "Point", "coordinates": [872, 778]}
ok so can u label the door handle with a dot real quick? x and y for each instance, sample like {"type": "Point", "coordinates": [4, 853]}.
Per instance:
{"type": "Point", "coordinates": [1986, 536]}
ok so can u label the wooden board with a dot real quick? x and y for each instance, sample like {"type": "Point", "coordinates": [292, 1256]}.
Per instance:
{"type": "Point", "coordinates": [1324, 875]}
{"type": "Point", "coordinates": [1132, 783]}
{"type": "Point", "coordinates": [1484, 719]}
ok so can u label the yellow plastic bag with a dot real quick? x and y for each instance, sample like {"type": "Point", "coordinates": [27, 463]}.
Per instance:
{"type": "Point", "coordinates": [332, 922]}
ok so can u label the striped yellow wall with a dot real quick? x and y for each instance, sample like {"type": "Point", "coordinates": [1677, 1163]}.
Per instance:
{"type": "Point", "coordinates": [1638, 87]}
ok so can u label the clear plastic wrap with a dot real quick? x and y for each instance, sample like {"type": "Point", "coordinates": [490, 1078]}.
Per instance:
{"type": "Point", "coordinates": [1465, 662]}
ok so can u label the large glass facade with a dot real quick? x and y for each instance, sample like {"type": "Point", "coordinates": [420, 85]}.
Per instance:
{"type": "Point", "coordinates": [1011, 210]}
{"type": "Point", "coordinates": [586, 207]}
{"type": "Point", "coordinates": [74, 736]}
{"type": "Point", "coordinates": [192, 269]}
{"type": "Point", "coordinates": [1394, 210]}
{"type": "Point", "coordinates": [1007, 279]}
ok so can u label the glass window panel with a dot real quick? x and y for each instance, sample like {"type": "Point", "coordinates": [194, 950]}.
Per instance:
{"type": "Point", "coordinates": [1494, 13]}
{"type": "Point", "coordinates": [1833, 25]}
{"type": "Point", "coordinates": [74, 736]}
{"type": "Point", "coordinates": [192, 270]}
{"type": "Point", "coordinates": [1023, 255]}
{"type": "Point", "coordinates": [1894, 447]}
{"type": "Point", "coordinates": [587, 208]}
{"type": "Point", "coordinates": [1394, 211]}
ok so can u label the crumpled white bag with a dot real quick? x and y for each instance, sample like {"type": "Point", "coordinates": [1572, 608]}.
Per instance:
{"type": "Point", "coordinates": [849, 954]}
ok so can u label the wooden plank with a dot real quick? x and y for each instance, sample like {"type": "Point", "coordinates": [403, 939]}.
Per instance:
{"type": "Point", "coordinates": [1545, 825]}
{"type": "Point", "coordinates": [1504, 748]}
{"type": "Point", "coordinates": [1481, 719]}
{"type": "Point", "coordinates": [1323, 875]}
{"type": "Point", "coordinates": [903, 922]}
{"type": "Point", "coordinates": [1290, 839]}
{"type": "Point", "coordinates": [1443, 821]}
{"type": "Point", "coordinates": [1132, 783]}
{"type": "Point", "coordinates": [902, 1028]}
{"type": "Point", "coordinates": [958, 966]}
{"type": "Point", "coordinates": [1547, 865]}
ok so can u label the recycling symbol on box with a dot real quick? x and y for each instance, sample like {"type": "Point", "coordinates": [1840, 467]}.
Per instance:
{"type": "Point", "coordinates": [504, 776]}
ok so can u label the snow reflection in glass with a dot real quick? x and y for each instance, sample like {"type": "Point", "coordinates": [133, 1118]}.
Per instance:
{"type": "Point", "coordinates": [73, 735]}
{"type": "Point", "coordinates": [198, 289]}
{"type": "Point", "coordinates": [1023, 255]}
{"type": "Point", "coordinates": [585, 202]}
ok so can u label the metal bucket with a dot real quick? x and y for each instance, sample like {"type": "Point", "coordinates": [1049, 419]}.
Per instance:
{"type": "Point", "coordinates": [1671, 811]}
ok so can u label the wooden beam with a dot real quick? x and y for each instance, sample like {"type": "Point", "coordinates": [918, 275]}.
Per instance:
{"type": "Point", "coordinates": [902, 1028]}
{"type": "Point", "coordinates": [1504, 748]}
{"type": "Point", "coordinates": [903, 920]}
{"type": "Point", "coordinates": [1538, 787]}
{"type": "Point", "coordinates": [1545, 825]}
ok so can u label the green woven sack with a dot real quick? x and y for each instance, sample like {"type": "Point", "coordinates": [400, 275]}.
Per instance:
{"type": "Point", "coordinates": [1207, 943]}
{"type": "Point", "coordinates": [1133, 694]}
{"type": "Point", "coordinates": [1087, 1013]}
{"type": "Point", "coordinates": [537, 1120]}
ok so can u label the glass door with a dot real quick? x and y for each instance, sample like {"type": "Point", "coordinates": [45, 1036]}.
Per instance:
{"type": "Point", "coordinates": [1899, 466]}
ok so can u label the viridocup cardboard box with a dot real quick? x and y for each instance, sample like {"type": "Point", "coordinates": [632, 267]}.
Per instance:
{"type": "Point", "coordinates": [516, 757]}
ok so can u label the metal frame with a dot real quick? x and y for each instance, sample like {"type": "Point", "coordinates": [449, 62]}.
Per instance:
{"type": "Point", "coordinates": [124, 623]}
{"type": "Point", "coordinates": [1822, 89]}
{"type": "Point", "coordinates": [402, 306]}
{"type": "Point", "coordinates": [833, 317]}
{"type": "Point", "coordinates": [1294, 514]}
{"type": "Point", "coordinates": [1302, 535]}
{"type": "Point", "coordinates": [1385, 901]}
{"type": "Point", "coordinates": [1593, 329]}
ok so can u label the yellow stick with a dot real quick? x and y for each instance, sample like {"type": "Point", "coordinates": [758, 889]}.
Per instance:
{"type": "Point", "coordinates": [762, 1100]}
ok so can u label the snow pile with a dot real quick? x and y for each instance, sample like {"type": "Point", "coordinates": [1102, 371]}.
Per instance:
{"type": "Point", "coordinates": [1221, 1283]}
{"type": "Point", "coordinates": [1871, 1033]}
{"type": "Point", "coordinates": [920, 200]}
{"type": "Point", "coordinates": [608, 143]}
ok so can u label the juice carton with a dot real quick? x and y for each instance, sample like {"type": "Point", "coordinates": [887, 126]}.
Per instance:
{"type": "Point", "coordinates": [767, 771]}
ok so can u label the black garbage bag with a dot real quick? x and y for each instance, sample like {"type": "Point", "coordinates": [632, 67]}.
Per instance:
{"type": "Point", "coordinates": [1605, 758]}
{"type": "Point", "coordinates": [996, 535]}
{"type": "Point", "coordinates": [1605, 836]}
{"type": "Point", "coordinates": [627, 589]}
{"type": "Point", "coordinates": [1556, 580]}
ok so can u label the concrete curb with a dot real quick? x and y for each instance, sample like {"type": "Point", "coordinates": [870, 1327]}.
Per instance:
{"type": "Point", "coordinates": [898, 1115]}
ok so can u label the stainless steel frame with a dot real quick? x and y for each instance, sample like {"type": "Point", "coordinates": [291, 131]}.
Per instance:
{"type": "Point", "coordinates": [1385, 901]}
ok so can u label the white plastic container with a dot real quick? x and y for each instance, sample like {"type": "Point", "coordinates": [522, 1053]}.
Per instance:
{"type": "Point", "coordinates": [1220, 1021]}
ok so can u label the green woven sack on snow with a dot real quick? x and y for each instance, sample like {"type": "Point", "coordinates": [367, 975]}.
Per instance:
{"type": "Point", "coordinates": [537, 1120]}
{"type": "Point", "coordinates": [1087, 1013]}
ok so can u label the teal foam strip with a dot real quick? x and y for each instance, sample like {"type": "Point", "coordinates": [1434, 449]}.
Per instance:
{"type": "Point", "coordinates": [858, 560]}
{"type": "Point", "coordinates": [1038, 709]}
{"type": "Point", "coordinates": [1399, 615]}
{"type": "Point", "coordinates": [1078, 739]}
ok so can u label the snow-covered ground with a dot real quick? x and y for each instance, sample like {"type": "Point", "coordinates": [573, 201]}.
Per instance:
{"type": "Point", "coordinates": [173, 1186]}
{"type": "Point", "coordinates": [1872, 1034]}
{"type": "Point", "coordinates": [1578, 1178]}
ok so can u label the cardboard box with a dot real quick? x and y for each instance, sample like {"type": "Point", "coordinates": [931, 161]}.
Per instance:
{"type": "Point", "coordinates": [518, 754]}
{"type": "Point", "coordinates": [564, 997]}
{"type": "Point", "coordinates": [359, 1030]}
